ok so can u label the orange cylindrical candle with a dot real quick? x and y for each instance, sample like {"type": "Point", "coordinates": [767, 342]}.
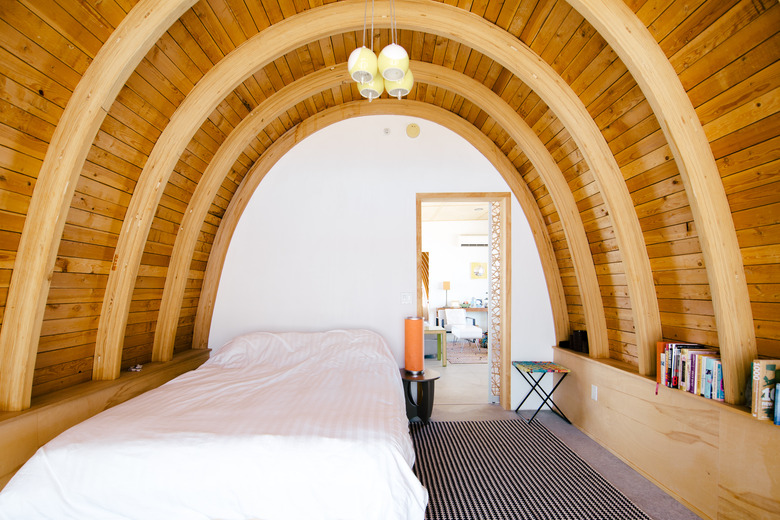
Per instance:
{"type": "Point", "coordinates": [413, 332]}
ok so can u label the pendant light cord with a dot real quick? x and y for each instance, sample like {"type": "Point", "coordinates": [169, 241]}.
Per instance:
{"type": "Point", "coordinates": [365, 21]}
{"type": "Point", "coordinates": [365, 18]}
{"type": "Point", "coordinates": [372, 25]}
{"type": "Point", "coordinates": [393, 23]}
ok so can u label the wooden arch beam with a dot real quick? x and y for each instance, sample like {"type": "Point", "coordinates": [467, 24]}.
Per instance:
{"type": "Point", "coordinates": [27, 299]}
{"type": "Point", "coordinates": [421, 15]}
{"type": "Point", "coordinates": [91, 100]}
{"type": "Point", "coordinates": [648, 64]}
{"type": "Point", "coordinates": [585, 272]}
{"type": "Point", "coordinates": [206, 190]}
{"type": "Point", "coordinates": [226, 156]}
{"type": "Point", "coordinates": [356, 109]}
{"type": "Point", "coordinates": [555, 182]}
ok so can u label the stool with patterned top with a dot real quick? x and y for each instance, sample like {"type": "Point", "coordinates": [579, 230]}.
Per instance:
{"type": "Point", "coordinates": [527, 369]}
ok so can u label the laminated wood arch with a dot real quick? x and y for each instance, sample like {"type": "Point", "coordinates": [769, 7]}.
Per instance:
{"type": "Point", "coordinates": [478, 94]}
{"type": "Point", "coordinates": [25, 305]}
{"type": "Point", "coordinates": [213, 176]}
{"type": "Point", "coordinates": [562, 197]}
{"type": "Point", "coordinates": [672, 107]}
{"type": "Point", "coordinates": [488, 101]}
{"type": "Point", "coordinates": [310, 25]}
{"type": "Point", "coordinates": [63, 62]}
{"type": "Point", "coordinates": [61, 168]}
{"type": "Point", "coordinates": [356, 109]}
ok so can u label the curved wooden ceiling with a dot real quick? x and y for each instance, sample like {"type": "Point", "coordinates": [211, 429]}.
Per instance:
{"type": "Point", "coordinates": [128, 130]}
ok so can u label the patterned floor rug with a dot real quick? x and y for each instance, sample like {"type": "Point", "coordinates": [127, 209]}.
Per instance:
{"type": "Point", "coordinates": [465, 352]}
{"type": "Point", "coordinates": [510, 470]}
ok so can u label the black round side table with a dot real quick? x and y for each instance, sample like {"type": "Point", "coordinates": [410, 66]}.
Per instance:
{"type": "Point", "coordinates": [424, 405]}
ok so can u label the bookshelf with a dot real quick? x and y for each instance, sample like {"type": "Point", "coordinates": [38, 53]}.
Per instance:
{"type": "Point", "coordinates": [712, 456]}
{"type": "Point", "coordinates": [698, 370]}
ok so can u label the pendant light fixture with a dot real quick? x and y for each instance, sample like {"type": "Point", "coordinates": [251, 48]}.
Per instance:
{"type": "Point", "coordinates": [390, 71]}
{"type": "Point", "coordinates": [362, 63]}
{"type": "Point", "coordinates": [400, 88]}
{"type": "Point", "coordinates": [372, 89]}
{"type": "Point", "coordinates": [393, 61]}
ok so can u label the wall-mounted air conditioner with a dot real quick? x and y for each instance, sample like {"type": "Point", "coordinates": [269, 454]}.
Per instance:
{"type": "Point", "coordinates": [473, 240]}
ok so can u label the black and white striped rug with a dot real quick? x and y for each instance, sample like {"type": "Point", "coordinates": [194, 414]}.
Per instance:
{"type": "Point", "coordinates": [497, 470]}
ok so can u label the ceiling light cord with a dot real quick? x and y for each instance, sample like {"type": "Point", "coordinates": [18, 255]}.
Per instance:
{"type": "Point", "coordinates": [393, 23]}
{"type": "Point", "coordinates": [372, 25]}
{"type": "Point", "coordinates": [365, 20]}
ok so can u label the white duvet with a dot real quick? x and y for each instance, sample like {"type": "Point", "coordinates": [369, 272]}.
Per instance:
{"type": "Point", "coordinates": [273, 426]}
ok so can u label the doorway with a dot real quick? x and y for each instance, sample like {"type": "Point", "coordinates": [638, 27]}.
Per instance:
{"type": "Point", "coordinates": [495, 271]}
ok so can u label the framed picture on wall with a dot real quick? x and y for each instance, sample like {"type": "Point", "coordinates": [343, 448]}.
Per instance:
{"type": "Point", "coordinates": [478, 270]}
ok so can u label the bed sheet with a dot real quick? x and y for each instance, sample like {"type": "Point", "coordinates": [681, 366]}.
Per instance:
{"type": "Point", "coordinates": [273, 426]}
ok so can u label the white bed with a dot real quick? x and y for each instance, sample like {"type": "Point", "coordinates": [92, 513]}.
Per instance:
{"type": "Point", "coordinates": [273, 426]}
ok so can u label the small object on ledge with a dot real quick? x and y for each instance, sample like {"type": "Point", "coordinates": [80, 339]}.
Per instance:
{"type": "Point", "coordinates": [135, 368]}
{"type": "Point", "coordinates": [579, 341]}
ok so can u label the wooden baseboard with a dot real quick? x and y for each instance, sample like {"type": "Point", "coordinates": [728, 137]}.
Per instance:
{"type": "Point", "coordinates": [22, 433]}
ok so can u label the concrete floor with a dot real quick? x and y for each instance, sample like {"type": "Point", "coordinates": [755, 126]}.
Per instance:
{"type": "Point", "coordinates": [461, 394]}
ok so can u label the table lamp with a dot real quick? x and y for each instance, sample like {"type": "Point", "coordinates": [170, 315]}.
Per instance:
{"type": "Point", "coordinates": [413, 335]}
{"type": "Point", "coordinates": [446, 287]}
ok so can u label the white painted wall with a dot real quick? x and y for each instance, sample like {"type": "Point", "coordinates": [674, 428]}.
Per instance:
{"type": "Point", "coordinates": [451, 262]}
{"type": "Point", "coordinates": [328, 239]}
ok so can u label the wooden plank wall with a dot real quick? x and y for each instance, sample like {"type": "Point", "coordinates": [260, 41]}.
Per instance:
{"type": "Point", "coordinates": [725, 52]}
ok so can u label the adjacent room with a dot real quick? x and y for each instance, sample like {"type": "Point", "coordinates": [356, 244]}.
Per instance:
{"type": "Point", "coordinates": [455, 242]}
{"type": "Point", "coordinates": [250, 248]}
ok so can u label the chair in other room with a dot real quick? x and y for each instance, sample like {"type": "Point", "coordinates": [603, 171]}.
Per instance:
{"type": "Point", "coordinates": [457, 320]}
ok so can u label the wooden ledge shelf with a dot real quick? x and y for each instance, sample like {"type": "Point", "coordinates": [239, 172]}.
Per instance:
{"type": "Point", "coordinates": [632, 371]}
{"type": "Point", "coordinates": [22, 433]}
{"type": "Point", "coordinates": [714, 457]}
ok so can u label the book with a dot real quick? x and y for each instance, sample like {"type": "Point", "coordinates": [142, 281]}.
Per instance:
{"type": "Point", "coordinates": [686, 358]}
{"type": "Point", "coordinates": [660, 365]}
{"type": "Point", "coordinates": [763, 393]}
{"type": "Point", "coordinates": [675, 377]}
{"type": "Point", "coordinates": [673, 362]}
{"type": "Point", "coordinates": [709, 374]}
{"type": "Point", "coordinates": [777, 408]}
{"type": "Point", "coordinates": [691, 367]}
{"type": "Point", "coordinates": [705, 377]}
{"type": "Point", "coordinates": [695, 369]}
{"type": "Point", "coordinates": [718, 392]}
{"type": "Point", "coordinates": [661, 379]}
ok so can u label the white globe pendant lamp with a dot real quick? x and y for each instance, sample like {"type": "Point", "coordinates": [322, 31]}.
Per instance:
{"type": "Point", "coordinates": [399, 89]}
{"type": "Point", "coordinates": [393, 62]}
{"type": "Point", "coordinates": [372, 89]}
{"type": "Point", "coordinates": [389, 71]}
{"type": "Point", "coordinates": [362, 64]}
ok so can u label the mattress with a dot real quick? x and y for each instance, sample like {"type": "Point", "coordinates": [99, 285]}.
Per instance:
{"type": "Point", "coordinates": [272, 426]}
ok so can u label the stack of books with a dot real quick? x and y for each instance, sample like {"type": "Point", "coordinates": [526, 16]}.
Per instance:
{"type": "Point", "coordinates": [691, 367]}
{"type": "Point", "coordinates": [765, 392]}
{"type": "Point", "coordinates": [698, 369]}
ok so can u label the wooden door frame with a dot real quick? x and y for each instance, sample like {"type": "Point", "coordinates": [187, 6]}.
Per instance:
{"type": "Point", "coordinates": [502, 198]}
